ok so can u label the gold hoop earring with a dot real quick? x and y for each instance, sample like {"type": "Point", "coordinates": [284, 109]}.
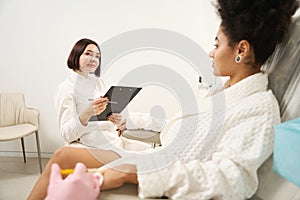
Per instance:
{"type": "Point", "coordinates": [238, 58]}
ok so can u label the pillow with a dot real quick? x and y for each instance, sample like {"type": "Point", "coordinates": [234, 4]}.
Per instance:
{"type": "Point", "coordinates": [286, 155]}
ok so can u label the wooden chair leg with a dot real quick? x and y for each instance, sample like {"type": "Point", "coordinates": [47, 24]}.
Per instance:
{"type": "Point", "coordinates": [38, 150]}
{"type": "Point", "coordinates": [23, 149]}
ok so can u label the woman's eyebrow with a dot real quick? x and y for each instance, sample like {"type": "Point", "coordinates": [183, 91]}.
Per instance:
{"type": "Point", "coordinates": [92, 51]}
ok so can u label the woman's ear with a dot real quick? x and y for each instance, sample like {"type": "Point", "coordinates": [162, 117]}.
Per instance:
{"type": "Point", "coordinates": [245, 51]}
{"type": "Point", "coordinates": [243, 48]}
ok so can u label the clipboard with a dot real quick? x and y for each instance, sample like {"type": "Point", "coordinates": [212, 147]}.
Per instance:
{"type": "Point", "coordinates": [119, 97]}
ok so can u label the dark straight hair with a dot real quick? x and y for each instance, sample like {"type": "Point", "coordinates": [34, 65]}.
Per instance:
{"type": "Point", "coordinates": [76, 52]}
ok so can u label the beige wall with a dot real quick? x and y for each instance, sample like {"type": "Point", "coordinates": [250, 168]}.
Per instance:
{"type": "Point", "coordinates": [36, 37]}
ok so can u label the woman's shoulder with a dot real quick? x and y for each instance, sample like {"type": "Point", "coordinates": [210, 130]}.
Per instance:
{"type": "Point", "coordinates": [262, 102]}
{"type": "Point", "coordinates": [65, 86]}
{"type": "Point", "coordinates": [265, 97]}
{"type": "Point", "coordinates": [69, 81]}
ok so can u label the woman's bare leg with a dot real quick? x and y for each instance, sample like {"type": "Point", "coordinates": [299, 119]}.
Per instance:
{"type": "Point", "coordinates": [67, 157]}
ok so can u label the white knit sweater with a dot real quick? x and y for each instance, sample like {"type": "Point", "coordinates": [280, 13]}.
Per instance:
{"type": "Point", "coordinates": [215, 153]}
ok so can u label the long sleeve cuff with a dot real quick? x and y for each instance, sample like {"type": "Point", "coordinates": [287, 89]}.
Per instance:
{"type": "Point", "coordinates": [80, 128]}
{"type": "Point", "coordinates": [93, 126]}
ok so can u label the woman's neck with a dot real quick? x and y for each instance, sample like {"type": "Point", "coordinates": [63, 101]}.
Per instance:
{"type": "Point", "coordinates": [82, 73]}
{"type": "Point", "coordinates": [235, 79]}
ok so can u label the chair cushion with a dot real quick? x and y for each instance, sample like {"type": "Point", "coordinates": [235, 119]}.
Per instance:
{"type": "Point", "coordinates": [16, 132]}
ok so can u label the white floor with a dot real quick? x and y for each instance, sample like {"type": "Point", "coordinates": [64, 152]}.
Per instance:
{"type": "Point", "coordinates": [17, 179]}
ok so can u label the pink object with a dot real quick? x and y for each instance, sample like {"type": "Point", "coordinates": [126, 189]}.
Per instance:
{"type": "Point", "coordinates": [77, 186]}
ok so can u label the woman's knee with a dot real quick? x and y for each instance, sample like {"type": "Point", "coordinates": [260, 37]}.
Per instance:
{"type": "Point", "coordinates": [62, 156]}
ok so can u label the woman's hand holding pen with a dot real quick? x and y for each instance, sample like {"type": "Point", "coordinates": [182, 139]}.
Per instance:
{"type": "Point", "coordinates": [99, 105]}
{"type": "Point", "coordinates": [96, 107]}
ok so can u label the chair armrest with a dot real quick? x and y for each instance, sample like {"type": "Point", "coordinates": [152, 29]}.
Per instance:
{"type": "Point", "coordinates": [31, 115]}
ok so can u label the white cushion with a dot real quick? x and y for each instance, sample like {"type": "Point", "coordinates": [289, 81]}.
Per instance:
{"type": "Point", "coordinates": [16, 131]}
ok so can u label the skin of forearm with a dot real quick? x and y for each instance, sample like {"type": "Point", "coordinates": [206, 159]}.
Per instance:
{"type": "Point", "coordinates": [84, 117]}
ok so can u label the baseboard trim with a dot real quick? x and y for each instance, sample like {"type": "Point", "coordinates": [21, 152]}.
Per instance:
{"type": "Point", "coordinates": [29, 154]}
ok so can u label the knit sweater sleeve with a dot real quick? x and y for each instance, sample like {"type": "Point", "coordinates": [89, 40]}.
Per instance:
{"type": "Point", "coordinates": [229, 171]}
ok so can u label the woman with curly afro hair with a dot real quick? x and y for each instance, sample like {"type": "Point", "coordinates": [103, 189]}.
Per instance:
{"type": "Point", "coordinates": [225, 167]}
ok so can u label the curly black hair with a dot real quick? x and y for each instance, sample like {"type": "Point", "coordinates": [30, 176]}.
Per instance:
{"type": "Point", "coordinates": [263, 23]}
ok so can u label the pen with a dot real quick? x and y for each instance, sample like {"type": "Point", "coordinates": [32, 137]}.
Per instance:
{"type": "Point", "coordinates": [92, 170]}
{"type": "Point", "coordinates": [112, 102]}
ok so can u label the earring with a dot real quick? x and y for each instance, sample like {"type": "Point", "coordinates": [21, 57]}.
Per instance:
{"type": "Point", "coordinates": [238, 58]}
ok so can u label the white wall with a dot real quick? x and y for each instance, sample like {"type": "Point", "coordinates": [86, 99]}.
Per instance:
{"type": "Point", "coordinates": [37, 36]}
